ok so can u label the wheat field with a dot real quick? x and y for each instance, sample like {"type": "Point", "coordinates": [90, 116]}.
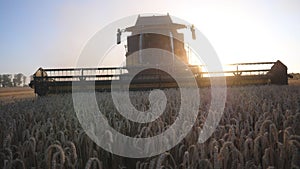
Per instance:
{"type": "Point", "coordinates": [259, 129]}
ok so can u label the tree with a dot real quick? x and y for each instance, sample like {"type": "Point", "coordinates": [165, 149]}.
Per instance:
{"type": "Point", "coordinates": [24, 80]}
{"type": "Point", "coordinates": [6, 80]}
{"type": "Point", "coordinates": [18, 79]}
{"type": "Point", "coordinates": [1, 80]}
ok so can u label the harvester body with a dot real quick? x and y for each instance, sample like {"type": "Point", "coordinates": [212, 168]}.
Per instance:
{"type": "Point", "coordinates": [152, 32]}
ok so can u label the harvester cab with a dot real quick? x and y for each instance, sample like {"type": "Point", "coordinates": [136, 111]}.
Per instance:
{"type": "Point", "coordinates": [155, 41]}
{"type": "Point", "coordinates": [157, 32]}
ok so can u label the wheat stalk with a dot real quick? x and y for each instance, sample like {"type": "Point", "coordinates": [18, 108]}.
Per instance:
{"type": "Point", "coordinates": [17, 163]}
{"type": "Point", "coordinates": [50, 156]}
{"type": "Point", "coordinates": [91, 161]}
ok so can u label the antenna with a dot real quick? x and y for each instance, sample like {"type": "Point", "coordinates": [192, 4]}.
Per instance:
{"type": "Point", "coordinates": [119, 36]}
{"type": "Point", "coordinates": [193, 32]}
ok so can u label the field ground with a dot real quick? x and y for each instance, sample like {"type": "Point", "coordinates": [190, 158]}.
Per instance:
{"type": "Point", "coordinates": [294, 82]}
{"type": "Point", "coordinates": [11, 93]}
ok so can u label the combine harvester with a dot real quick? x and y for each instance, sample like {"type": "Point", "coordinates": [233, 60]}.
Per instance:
{"type": "Point", "coordinates": [47, 81]}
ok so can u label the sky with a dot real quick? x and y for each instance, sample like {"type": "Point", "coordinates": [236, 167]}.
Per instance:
{"type": "Point", "coordinates": [52, 34]}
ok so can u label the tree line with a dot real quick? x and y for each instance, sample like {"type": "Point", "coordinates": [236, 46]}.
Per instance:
{"type": "Point", "coordinates": [13, 80]}
{"type": "Point", "coordinates": [296, 76]}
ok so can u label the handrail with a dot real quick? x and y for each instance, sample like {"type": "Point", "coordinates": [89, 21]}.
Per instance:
{"type": "Point", "coordinates": [237, 71]}
{"type": "Point", "coordinates": [75, 69]}
{"type": "Point", "coordinates": [252, 63]}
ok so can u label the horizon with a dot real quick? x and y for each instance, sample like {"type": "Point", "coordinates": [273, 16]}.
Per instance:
{"type": "Point", "coordinates": [51, 34]}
